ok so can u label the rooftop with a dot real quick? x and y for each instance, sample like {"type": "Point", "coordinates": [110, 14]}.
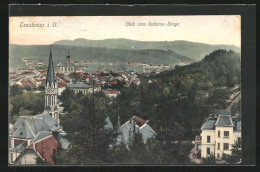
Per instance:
{"type": "Point", "coordinates": [29, 126]}
{"type": "Point", "coordinates": [224, 120]}
{"type": "Point", "coordinates": [209, 124]}
{"type": "Point", "coordinates": [83, 86]}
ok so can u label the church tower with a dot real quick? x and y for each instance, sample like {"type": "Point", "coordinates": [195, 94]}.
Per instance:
{"type": "Point", "coordinates": [51, 91]}
{"type": "Point", "coordinates": [68, 59]}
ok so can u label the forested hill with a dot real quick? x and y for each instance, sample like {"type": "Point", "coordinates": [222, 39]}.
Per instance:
{"type": "Point", "coordinates": [220, 68]}
{"type": "Point", "coordinates": [80, 53]}
{"type": "Point", "coordinates": [193, 50]}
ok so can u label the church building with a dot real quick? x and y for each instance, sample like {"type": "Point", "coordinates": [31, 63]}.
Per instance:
{"type": "Point", "coordinates": [67, 67]}
{"type": "Point", "coordinates": [51, 91]}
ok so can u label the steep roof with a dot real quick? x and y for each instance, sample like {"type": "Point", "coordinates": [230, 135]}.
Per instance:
{"type": "Point", "coordinates": [130, 127]}
{"type": "Point", "coordinates": [50, 77]}
{"type": "Point", "coordinates": [30, 126]}
{"type": "Point", "coordinates": [41, 135]}
{"type": "Point", "coordinates": [209, 124]}
{"type": "Point", "coordinates": [46, 148]}
{"type": "Point", "coordinates": [224, 121]}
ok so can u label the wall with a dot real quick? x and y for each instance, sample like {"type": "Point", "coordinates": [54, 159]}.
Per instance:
{"type": "Point", "coordinates": [205, 144]}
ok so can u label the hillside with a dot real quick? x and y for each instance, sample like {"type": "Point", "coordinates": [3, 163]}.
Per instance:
{"type": "Point", "coordinates": [79, 53]}
{"type": "Point", "coordinates": [192, 50]}
{"type": "Point", "coordinates": [219, 68]}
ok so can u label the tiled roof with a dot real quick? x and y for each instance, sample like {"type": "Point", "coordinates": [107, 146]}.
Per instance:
{"type": "Point", "coordinates": [110, 91]}
{"type": "Point", "coordinates": [128, 128]}
{"type": "Point", "coordinates": [209, 124]}
{"type": "Point", "coordinates": [41, 135]}
{"type": "Point", "coordinates": [139, 121]}
{"type": "Point", "coordinates": [85, 86]}
{"type": "Point", "coordinates": [46, 148]}
{"type": "Point", "coordinates": [224, 120]}
{"type": "Point", "coordinates": [30, 126]}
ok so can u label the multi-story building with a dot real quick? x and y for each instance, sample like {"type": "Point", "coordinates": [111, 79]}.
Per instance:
{"type": "Point", "coordinates": [67, 67]}
{"type": "Point", "coordinates": [219, 133]}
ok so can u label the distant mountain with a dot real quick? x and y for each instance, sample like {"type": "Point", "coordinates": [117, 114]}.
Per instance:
{"type": "Point", "coordinates": [192, 50]}
{"type": "Point", "coordinates": [80, 53]}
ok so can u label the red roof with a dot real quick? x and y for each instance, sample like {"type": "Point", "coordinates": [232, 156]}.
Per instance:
{"type": "Point", "coordinates": [62, 84]}
{"type": "Point", "coordinates": [111, 82]}
{"type": "Point", "coordinates": [110, 91]}
{"type": "Point", "coordinates": [46, 148]}
{"type": "Point", "coordinates": [27, 73]}
{"type": "Point", "coordinates": [12, 77]}
{"type": "Point", "coordinates": [21, 68]}
{"type": "Point", "coordinates": [139, 121]}
{"type": "Point", "coordinates": [31, 84]}
{"type": "Point", "coordinates": [43, 71]}
{"type": "Point", "coordinates": [159, 81]}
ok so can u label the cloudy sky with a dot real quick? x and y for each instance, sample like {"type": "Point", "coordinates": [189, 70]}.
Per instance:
{"type": "Point", "coordinates": [211, 29]}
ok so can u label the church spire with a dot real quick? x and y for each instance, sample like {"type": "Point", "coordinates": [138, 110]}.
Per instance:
{"type": "Point", "coordinates": [50, 77]}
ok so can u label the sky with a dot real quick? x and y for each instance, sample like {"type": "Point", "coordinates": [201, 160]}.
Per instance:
{"type": "Point", "coordinates": [210, 29]}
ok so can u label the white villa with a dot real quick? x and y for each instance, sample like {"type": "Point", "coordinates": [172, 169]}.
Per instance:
{"type": "Point", "coordinates": [219, 133]}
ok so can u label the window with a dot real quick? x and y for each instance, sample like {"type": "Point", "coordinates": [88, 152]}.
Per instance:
{"type": "Point", "coordinates": [11, 157]}
{"type": "Point", "coordinates": [208, 150]}
{"type": "Point", "coordinates": [218, 134]}
{"type": "Point", "coordinates": [239, 142]}
{"type": "Point", "coordinates": [226, 145]}
{"type": "Point", "coordinates": [218, 146]}
{"type": "Point", "coordinates": [208, 139]}
{"type": "Point", "coordinates": [218, 155]}
{"type": "Point", "coordinates": [226, 134]}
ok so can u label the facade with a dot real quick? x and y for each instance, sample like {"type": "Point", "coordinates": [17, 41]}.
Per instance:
{"type": "Point", "coordinates": [67, 67]}
{"type": "Point", "coordinates": [51, 91]}
{"type": "Point", "coordinates": [84, 88]}
{"type": "Point", "coordinates": [111, 93]}
{"type": "Point", "coordinates": [218, 135]}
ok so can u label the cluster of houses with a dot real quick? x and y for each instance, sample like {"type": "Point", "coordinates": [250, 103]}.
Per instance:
{"type": "Point", "coordinates": [30, 64]}
{"type": "Point", "coordinates": [150, 69]}
{"type": "Point", "coordinates": [70, 74]}
{"type": "Point", "coordinates": [37, 138]}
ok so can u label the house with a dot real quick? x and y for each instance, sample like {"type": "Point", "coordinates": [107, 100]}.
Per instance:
{"type": "Point", "coordinates": [111, 93]}
{"type": "Point", "coordinates": [79, 87]}
{"type": "Point", "coordinates": [132, 126]}
{"type": "Point", "coordinates": [219, 133]}
{"type": "Point", "coordinates": [28, 129]}
{"type": "Point", "coordinates": [43, 146]}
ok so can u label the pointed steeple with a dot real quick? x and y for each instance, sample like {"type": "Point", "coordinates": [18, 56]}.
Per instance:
{"type": "Point", "coordinates": [50, 77]}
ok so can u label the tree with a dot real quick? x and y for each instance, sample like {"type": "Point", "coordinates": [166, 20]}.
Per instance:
{"type": "Point", "coordinates": [89, 140]}
{"type": "Point", "coordinates": [236, 154]}
{"type": "Point", "coordinates": [15, 90]}
{"type": "Point", "coordinates": [209, 160]}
